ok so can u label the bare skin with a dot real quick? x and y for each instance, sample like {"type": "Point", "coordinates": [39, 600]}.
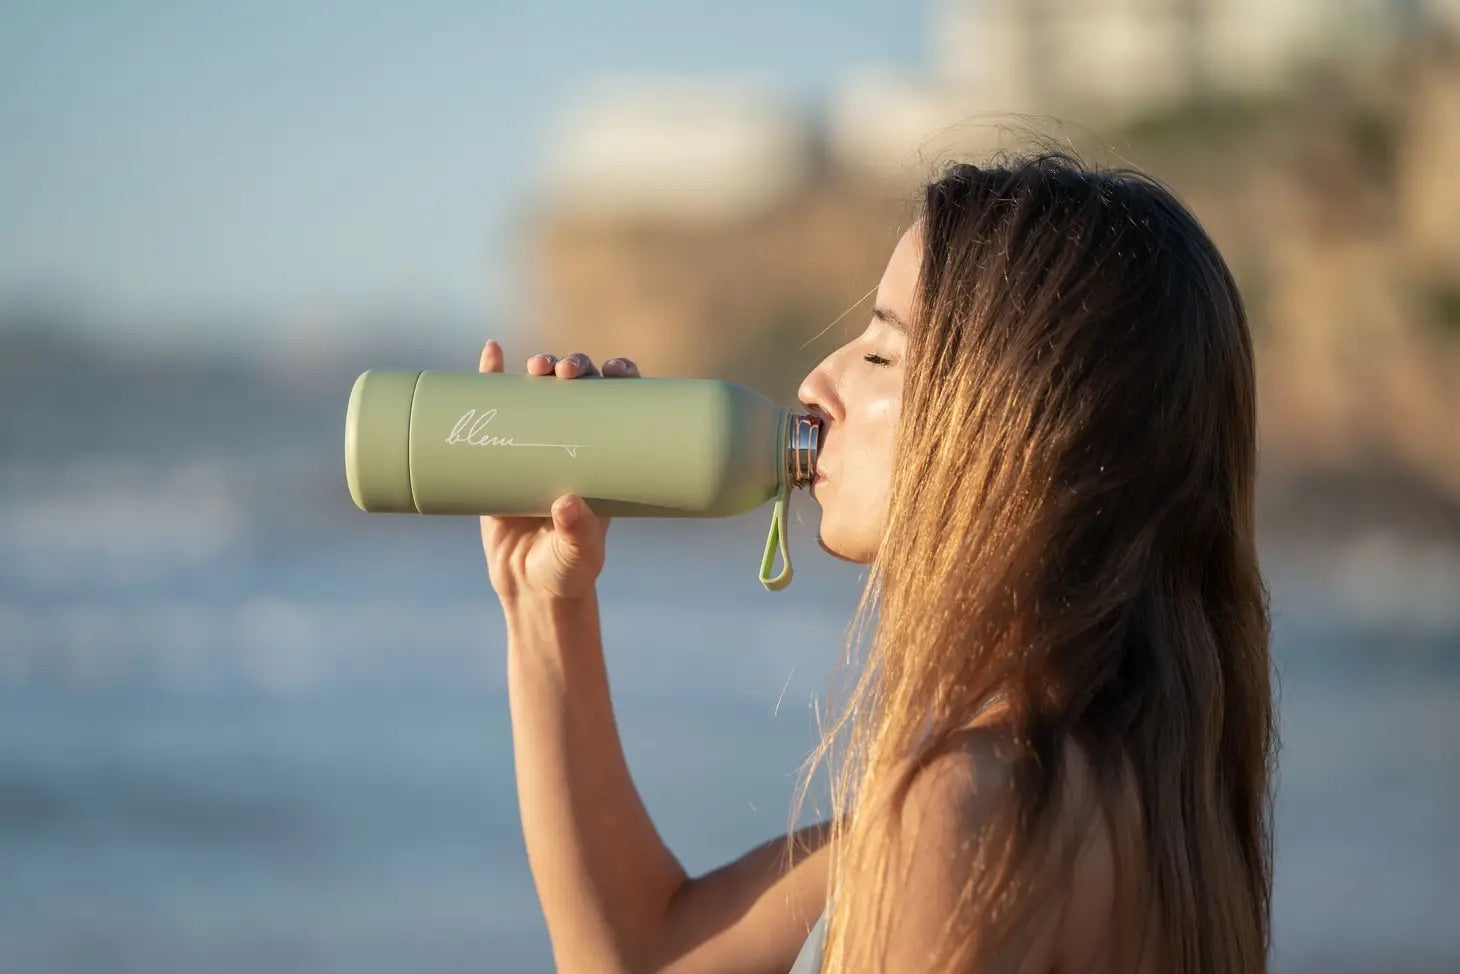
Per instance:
{"type": "Point", "coordinates": [614, 896]}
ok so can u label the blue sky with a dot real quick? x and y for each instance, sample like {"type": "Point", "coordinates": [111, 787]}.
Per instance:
{"type": "Point", "coordinates": [183, 159]}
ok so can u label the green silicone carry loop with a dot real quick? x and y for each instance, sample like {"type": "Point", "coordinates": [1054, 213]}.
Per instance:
{"type": "Point", "coordinates": [777, 539]}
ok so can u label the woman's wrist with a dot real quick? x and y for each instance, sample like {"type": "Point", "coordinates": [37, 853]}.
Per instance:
{"type": "Point", "coordinates": [536, 604]}
{"type": "Point", "coordinates": [539, 622]}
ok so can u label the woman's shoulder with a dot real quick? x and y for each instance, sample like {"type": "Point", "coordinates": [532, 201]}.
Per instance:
{"type": "Point", "coordinates": [967, 776]}
{"type": "Point", "coordinates": [959, 806]}
{"type": "Point", "coordinates": [972, 771]}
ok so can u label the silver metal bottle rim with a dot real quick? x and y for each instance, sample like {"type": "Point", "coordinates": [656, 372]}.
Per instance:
{"type": "Point", "coordinates": [802, 437]}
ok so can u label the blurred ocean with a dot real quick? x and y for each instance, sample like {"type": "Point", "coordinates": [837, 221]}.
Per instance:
{"type": "Point", "coordinates": [244, 726]}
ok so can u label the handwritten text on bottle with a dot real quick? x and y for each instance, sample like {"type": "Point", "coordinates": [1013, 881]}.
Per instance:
{"type": "Point", "coordinates": [470, 431]}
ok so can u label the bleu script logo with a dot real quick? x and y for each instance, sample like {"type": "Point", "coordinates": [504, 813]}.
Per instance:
{"type": "Point", "coordinates": [471, 430]}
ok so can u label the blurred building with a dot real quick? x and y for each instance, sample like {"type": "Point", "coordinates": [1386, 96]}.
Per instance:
{"type": "Point", "coordinates": [1107, 61]}
{"type": "Point", "coordinates": [640, 150]}
{"type": "Point", "coordinates": [1123, 55]}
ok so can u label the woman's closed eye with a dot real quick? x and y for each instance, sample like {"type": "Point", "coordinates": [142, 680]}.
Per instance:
{"type": "Point", "coordinates": [876, 359]}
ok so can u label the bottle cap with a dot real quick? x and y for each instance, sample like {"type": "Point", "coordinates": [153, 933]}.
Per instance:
{"type": "Point", "coordinates": [802, 436]}
{"type": "Point", "coordinates": [378, 466]}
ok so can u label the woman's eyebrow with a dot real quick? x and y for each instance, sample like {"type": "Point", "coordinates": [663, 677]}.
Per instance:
{"type": "Point", "coordinates": [889, 316]}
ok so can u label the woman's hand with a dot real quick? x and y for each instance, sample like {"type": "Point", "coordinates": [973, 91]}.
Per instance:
{"type": "Point", "coordinates": [558, 556]}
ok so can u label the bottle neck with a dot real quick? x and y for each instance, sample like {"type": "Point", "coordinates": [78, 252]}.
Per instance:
{"type": "Point", "coordinates": [803, 434]}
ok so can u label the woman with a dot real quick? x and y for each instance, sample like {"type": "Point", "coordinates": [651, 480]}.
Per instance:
{"type": "Point", "coordinates": [1058, 751]}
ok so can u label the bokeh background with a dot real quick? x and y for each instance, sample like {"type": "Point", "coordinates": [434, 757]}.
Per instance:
{"type": "Point", "coordinates": [245, 726]}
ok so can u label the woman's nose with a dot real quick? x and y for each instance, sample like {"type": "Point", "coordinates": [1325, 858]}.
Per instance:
{"type": "Point", "coordinates": [814, 394]}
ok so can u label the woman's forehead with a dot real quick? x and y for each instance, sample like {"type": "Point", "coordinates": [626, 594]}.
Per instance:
{"type": "Point", "coordinates": [900, 279]}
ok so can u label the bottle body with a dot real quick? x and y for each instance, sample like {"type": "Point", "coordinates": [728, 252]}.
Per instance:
{"type": "Point", "coordinates": [511, 444]}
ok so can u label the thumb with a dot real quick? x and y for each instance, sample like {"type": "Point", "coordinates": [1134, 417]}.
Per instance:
{"type": "Point", "coordinates": [567, 513]}
{"type": "Point", "coordinates": [572, 524]}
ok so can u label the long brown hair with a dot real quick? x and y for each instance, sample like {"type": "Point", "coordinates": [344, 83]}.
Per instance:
{"type": "Point", "coordinates": [1070, 533]}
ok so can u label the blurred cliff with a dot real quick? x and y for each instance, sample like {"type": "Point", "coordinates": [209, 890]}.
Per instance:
{"type": "Point", "coordinates": [711, 229]}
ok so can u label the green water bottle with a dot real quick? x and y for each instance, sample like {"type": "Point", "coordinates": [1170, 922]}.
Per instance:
{"type": "Point", "coordinates": [511, 444]}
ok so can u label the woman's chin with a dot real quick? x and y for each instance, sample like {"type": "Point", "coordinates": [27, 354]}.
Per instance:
{"type": "Point", "coordinates": [837, 548]}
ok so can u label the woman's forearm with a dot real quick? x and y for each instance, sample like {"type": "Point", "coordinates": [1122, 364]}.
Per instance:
{"type": "Point", "coordinates": [603, 874]}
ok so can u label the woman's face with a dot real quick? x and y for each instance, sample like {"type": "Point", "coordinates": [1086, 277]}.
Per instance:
{"type": "Point", "coordinates": [857, 392]}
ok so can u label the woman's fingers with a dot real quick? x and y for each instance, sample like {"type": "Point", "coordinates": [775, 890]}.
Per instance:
{"type": "Point", "coordinates": [620, 367]}
{"type": "Point", "coordinates": [491, 360]}
{"type": "Point", "coordinates": [577, 365]}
